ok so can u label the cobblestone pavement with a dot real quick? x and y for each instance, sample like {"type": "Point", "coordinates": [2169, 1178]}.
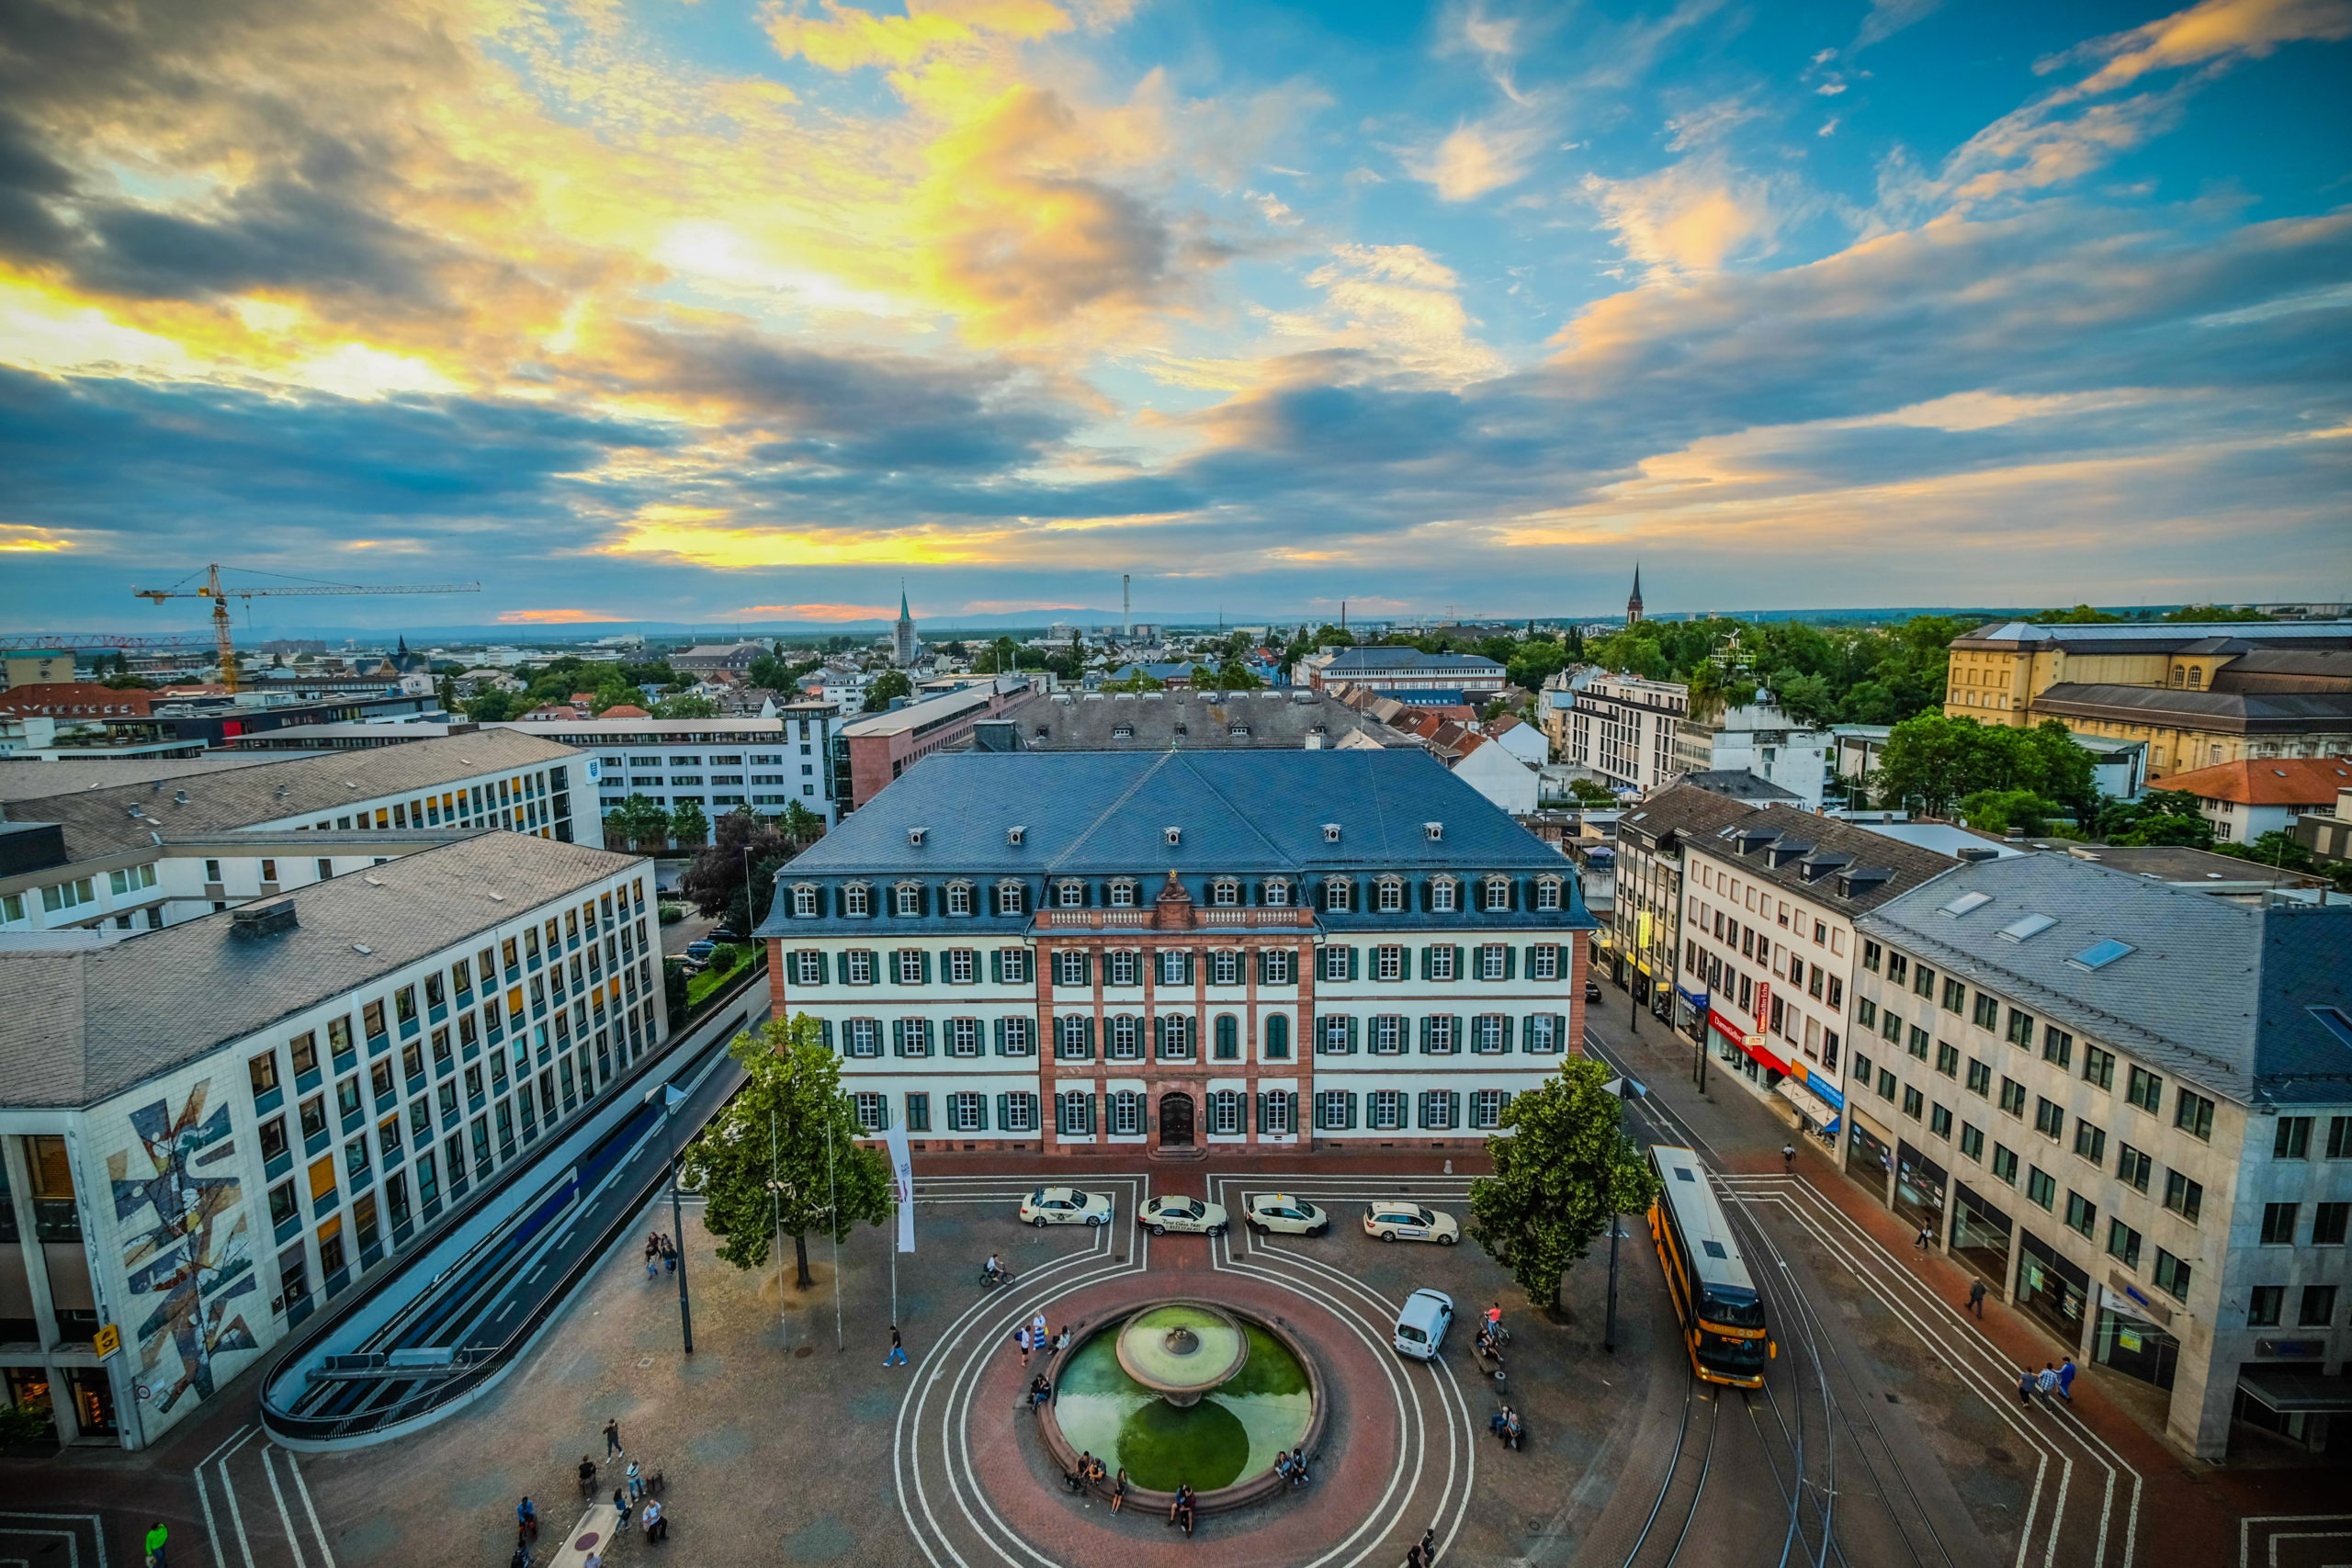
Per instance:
{"type": "Point", "coordinates": [782, 1442]}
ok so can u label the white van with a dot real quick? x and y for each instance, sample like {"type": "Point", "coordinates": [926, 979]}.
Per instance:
{"type": "Point", "coordinates": [1421, 1325]}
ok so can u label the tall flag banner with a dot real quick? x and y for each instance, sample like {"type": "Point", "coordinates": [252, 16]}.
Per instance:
{"type": "Point", "coordinates": [902, 1172]}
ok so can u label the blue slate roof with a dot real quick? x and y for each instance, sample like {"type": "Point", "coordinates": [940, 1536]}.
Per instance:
{"type": "Point", "coordinates": [2216, 992]}
{"type": "Point", "coordinates": [1250, 814]}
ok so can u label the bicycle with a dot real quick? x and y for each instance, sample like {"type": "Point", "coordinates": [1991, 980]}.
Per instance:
{"type": "Point", "coordinates": [1000, 1276]}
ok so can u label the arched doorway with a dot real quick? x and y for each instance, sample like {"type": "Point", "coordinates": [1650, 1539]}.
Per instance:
{"type": "Point", "coordinates": [1175, 1120]}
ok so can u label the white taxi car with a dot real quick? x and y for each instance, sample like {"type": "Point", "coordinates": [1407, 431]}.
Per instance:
{"type": "Point", "coordinates": [1174, 1211]}
{"type": "Point", "coordinates": [1064, 1206]}
{"type": "Point", "coordinates": [1398, 1220]}
{"type": "Point", "coordinates": [1281, 1212]}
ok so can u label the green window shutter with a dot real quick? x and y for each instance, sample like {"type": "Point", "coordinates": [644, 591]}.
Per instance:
{"type": "Point", "coordinates": [1093, 1112]}
{"type": "Point", "coordinates": [1425, 961]}
{"type": "Point", "coordinates": [1003, 1108]}
{"type": "Point", "coordinates": [1264, 968]}
{"type": "Point", "coordinates": [1086, 969]}
{"type": "Point", "coordinates": [1352, 964]}
{"type": "Point", "coordinates": [1351, 1107]}
{"type": "Point", "coordinates": [1352, 1035]}
{"type": "Point", "coordinates": [1188, 966]}
{"type": "Point", "coordinates": [827, 1026]}
{"type": "Point", "coordinates": [1461, 1041]}
{"type": "Point", "coordinates": [926, 966]}
{"type": "Point", "coordinates": [1510, 963]}
{"type": "Point", "coordinates": [1000, 1036]}
{"type": "Point", "coordinates": [996, 965]}
{"type": "Point", "coordinates": [926, 1036]}
{"type": "Point", "coordinates": [1090, 1037]}
{"type": "Point", "coordinates": [1559, 1032]}
{"type": "Point", "coordinates": [1454, 1108]}
{"type": "Point", "coordinates": [898, 1037]}
{"type": "Point", "coordinates": [1458, 956]}
{"type": "Point", "coordinates": [1506, 1034]}
{"type": "Point", "coordinates": [1425, 1034]}
{"type": "Point", "coordinates": [1530, 961]}
{"type": "Point", "coordinates": [1158, 1034]}
{"type": "Point", "coordinates": [1264, 1097]}
{"type": "Point", "coordinates": [825, 968]}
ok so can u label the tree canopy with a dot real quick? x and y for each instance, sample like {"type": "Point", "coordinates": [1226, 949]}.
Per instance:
{"type": "Point", "coordinates": [766, 1163]}
{"type": "Point", "coordinates": [1817, 674]}
{"type": "Point", "coordinates": [636, 819]}
{"type": "Point", "coordinates": [2160, 817]}
{"type": "Point", "coordinates": [715, 881]}
{"type": "Point", "coordinates": [688, 825]}
{"type": "Point", "coordinates": [685, 708]}
{"type": "Point", "coordinates": [1931, 763]}
{"type": "Point", "coordinates": [607, 681]}
{"type": "Point", "coordinates": [889, 684]}
{"type": "Point", "coordinates": [1564, 1173]}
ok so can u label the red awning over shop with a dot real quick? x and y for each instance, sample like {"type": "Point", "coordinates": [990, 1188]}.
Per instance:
{"type": "Point", "coordinates": [1738, 1037]}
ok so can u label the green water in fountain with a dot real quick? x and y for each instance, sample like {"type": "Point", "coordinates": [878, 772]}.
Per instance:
{"type": "Point", "coordinates": [1233, 1433]}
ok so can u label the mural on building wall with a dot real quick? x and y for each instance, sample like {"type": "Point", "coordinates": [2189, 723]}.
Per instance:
{"type": "Point", "coordinates": [188, 1249]}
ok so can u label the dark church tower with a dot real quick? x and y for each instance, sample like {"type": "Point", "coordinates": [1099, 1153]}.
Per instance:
{"type": "Point", "coordinates": [1634, 604]}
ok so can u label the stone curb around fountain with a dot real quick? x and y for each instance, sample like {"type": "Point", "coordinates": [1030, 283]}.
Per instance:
{"type": "Point", "coordinates": [1224, 1499]}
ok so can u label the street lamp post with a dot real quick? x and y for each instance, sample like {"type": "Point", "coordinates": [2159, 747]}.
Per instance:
{"type": "Point", "coordinates": [671, 1099]}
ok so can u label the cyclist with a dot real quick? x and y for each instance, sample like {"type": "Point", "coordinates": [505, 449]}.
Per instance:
{"type": "Point", "coordinates": [993, 1272]}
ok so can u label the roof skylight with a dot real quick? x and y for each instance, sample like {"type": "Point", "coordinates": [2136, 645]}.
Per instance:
{"type": "Point", "coordinates": [2032, 926]}
{"type": "Point", "coordinates": [2099, 954]}
{"type": "Point", "coordinates": [1966, 903]}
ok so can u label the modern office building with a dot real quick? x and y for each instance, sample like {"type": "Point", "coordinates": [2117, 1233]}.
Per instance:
{"type": "Point", "coordinates": [870, 751]}
{"type": "Point", "coordinates": [1184, 951]}
{"type": "Point", "coordinates": [719, 764]}
{"type": "Point", "coordinates": [1407, 669]}
{"type": "Point", "coordinates": [2126, 1106]}
{"type": "Point", "coordinates": [210, 1129]}
{"type": "Point", "coordinates": [183, 839]}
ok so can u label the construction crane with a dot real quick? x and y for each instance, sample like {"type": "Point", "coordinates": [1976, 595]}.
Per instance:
{"type": "Point", "coordinates": [210, 588]}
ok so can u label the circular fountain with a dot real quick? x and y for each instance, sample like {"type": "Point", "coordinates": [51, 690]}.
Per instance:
{"type": "Point", "coordinates": [1182, 1392]}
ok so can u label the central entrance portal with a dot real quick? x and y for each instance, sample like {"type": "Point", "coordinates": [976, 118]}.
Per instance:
{"type": "Point", "coordinates": [1175, 1120]}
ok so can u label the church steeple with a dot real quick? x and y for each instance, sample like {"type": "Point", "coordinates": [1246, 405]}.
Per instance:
{"type": "Point", "coordinates": [1634, 604]}
{"type": "Point", "coordinates": [903, 647]}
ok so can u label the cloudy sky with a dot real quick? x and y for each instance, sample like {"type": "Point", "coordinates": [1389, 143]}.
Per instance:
{"type": "Point", "coordinates": [709, 310]}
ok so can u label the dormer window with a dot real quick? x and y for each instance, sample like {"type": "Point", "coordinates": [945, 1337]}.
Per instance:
{"type": "Point", "coordinates": [959, 897]}
{"type": "Point", "coordinates": [1175, 835]}
{"type": "Point", "coordinates": [1122, 732]}
{"type": "Point", "coordinates": [1224, 892]}
{"type": "Point", "coordinates": [1331, 832]}
{"type": "Point", "coordinates": [857, 900]}
{"type": "Point", "coordinates": [1338, 894]}
{"type": "Point", "coordinates": [906, 898]}
{"type": "Point", "coordinates": [1391, 895]}
{"type": "Point", "coordinates": [1434, 831]}
{"type": "Point", "coordinates": [1123, 895]}
{"type": "Point", "coordinates": [1547, 893]}
{"type": "Point", "coordinates": [1012, 899]}
{"type": "Point", "coordinates": [914, 835]}
{"type": "Point", "coordinates": [804, 902]}
{"type": "Point", "coordinates": [1277, 893]}
{"type": "Point", "coordinates": [1443, 894]}
{"type": "Point", "coordinates": [1498, 892]}
{"type": "Point", "coordinates": [1015, 835]}
{"type": "Point", "coordinates": [1071, 895]}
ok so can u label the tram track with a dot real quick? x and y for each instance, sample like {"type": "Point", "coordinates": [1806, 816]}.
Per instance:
{"type": "Point", "coordinates": [1687, 1473]}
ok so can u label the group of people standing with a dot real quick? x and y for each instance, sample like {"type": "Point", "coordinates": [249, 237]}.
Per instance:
{"type": "Point", "coordinates": [636, 1497]}
{"type": "Point", "coordinates": [660, 1255]}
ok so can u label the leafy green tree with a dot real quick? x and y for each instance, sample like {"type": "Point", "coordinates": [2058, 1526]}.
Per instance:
{"type": "Point", "coordinates": [636, 819]}
{"type": "Point", "coordinates": [889, 683]}
{"type": "Point", "coordinates": [688, 825]}
{"type": "Point", "coordinates": [2214, 612]}
{"type": "Point", "coordinates": [677, 990]}
{"type": "Point", "coordinates": [685, 708]}
{"type": "Point", "coordinates": [2080, 616]}
{"type": "Point", "coordinates": [800, 824]}
{"type": "Point", "coordinates": [1534, 662]}
{"type": "Point", "coordinates": [1231, 676]}
{"type": "Point", "coordinates": [1590, 792]}
{"type": "Point", "coordinates": [744, 845]}
{"type": "Point", "coordinates": [2160, 817]}
{"type": "Point", "coordinates": [1140, 680]}
{"type": "Point", "coordinates": [1565, 1173]}
{"type": "Point", "coordinates": [784, 1155]}
{"type": "Point", "coordinates": [493, 706]}
{"type": "Point", "coordinates": [2006, 811]}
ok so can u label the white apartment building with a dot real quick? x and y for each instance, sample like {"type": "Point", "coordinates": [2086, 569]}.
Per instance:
{"type": "Point", "coordinates": [2125, 1105]}
{"type": "Point", "coordinates": [1183, 950]}
{"type": "Point", "coordinates": [1622, 728]}
{"type": "Point", "coordinates": [719, 764]}
{"type": "Point", "coordinates": [207, 1131]}
{"type": "Point", "coordinates": [190, 841]}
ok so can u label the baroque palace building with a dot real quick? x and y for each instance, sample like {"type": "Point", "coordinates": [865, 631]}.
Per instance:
{"type": "Point", "coordinates": [1183, 950]}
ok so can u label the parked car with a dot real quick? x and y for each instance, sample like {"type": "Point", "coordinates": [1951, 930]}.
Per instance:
{"type": "Point", "coordinates": [724, 934]}
{"type": "Point", "coordinates": [1592, 990]}
{"type": "Point", "coordinates": [1281, 1212]}
{"type": "Point", "coordinates": [1064, 1206]}
{"type": "Point", "coordinates": [1421, 1323]}
{"type": "Point", "coordinates": [1411, 1221]}
{"type": "Point", "coordinates": [1174, 1211]}
{"type": "Point", "coordinates": [701, 949]}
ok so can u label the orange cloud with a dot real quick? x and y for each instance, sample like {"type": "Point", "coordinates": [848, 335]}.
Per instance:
{"type": "Point", "coordinates": [553, 617]}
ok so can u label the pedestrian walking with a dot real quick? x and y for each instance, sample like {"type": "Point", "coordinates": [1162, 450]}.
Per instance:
{"type": "Point", "coordinates": [1787, 1157]}
{"type": "Point", "coordinates": [1429, 1545]}
{"type": "Point", "coordinates": [1977, 1298]}
{"type": "Point", "coordinates": [522, 1558]}
{"type": "Point", "coordinates": [612, 1437]}
{"type": "Point", "coordinates": [2025, 1388]}
{"type": "Point", "coordinates": [652, 1258]}
{"type": "Point", "coordinates": [668, 1257]}
{"type": "Point", "coordinates": [2047, 1383]}
{"type": "Point", "coordinates": [1413, 1556]}
{"type": "Point", "coordinates": [897, 1356]}
{"type": "Point", "coordinates": [1025, 1346]}
{"type": "Point", "coordinates": [620, 1504]}
{"type": "Point", "coordinates": [1926, 1235]}
{"type": "Point", "coordinates": [636, 1481]}
{"type": "Point", "coordinates": [2066, 1381]}
{"type": "Point", "coordinates": [158, 1540]}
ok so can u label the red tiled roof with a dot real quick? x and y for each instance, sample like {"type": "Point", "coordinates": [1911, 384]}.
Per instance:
{"type": "Point", "coordinates": [624, 710]}
{"type": "Point", "coordinates": [75, 699]}
{"type": "Point", "coordinates": [2267, 780]}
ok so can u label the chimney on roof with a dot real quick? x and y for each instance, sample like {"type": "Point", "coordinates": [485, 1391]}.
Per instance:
{"type": "Point", "coordinates": [254, 922]}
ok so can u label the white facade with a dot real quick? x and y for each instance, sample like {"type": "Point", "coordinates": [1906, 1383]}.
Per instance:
{"type": "Point", "coordinates": [1624, 726]}
{"type": "Point", "coordinates": [1762, 740]}
{"type": "Point", "coordinates": [1501, 777]}
{"type": "Point", "coordinates": [719, 764]}
{"type": "Point", "coordinates": [208, 1210]}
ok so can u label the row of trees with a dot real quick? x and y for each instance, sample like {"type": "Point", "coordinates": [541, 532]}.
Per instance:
{"type": "Point", "coordinates": [783, 1158]}
{"type": "Point", "coordinates": [1936, 764]}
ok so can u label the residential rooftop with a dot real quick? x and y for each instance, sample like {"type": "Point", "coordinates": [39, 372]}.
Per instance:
{"type": "Point", "coordinates": [2267, 780]}
{"type": "Point", "coordinates": [1839, 865]}
{"type": "Point", "coordinates": [2156, 636]}
{"type": "Point", "coordinates": [81, 1025]}
{"type": "Point", "coordinates": [2236, 998]}
{"type": "Point", "coordinates": [2248, 713]}
{"type": "Point", "coordinates": [22, 779]}
{"type": "Point", "coordinates": [1263, 720]}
